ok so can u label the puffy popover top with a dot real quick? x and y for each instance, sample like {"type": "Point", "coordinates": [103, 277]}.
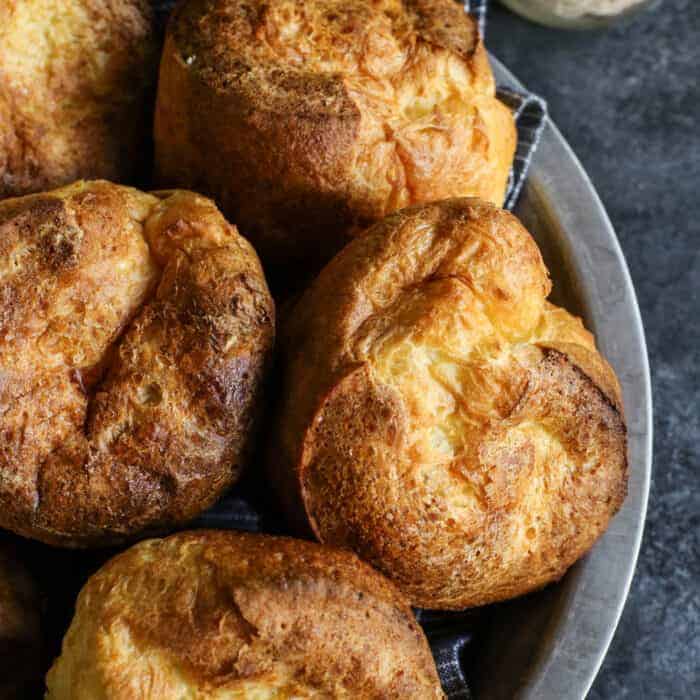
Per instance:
{"type": "Point", "coordinates": [134, 332]}
{"type": "Point", "coordinates": [332, 113]}
{"type": "Point", "coordinates": [76, 77]}
{"type": "Point", "coordinates": [230, 615]}
{"type": "Point", "coordinates": [441, 417]}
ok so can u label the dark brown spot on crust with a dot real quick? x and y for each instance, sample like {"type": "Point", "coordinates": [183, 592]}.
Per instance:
{"type": "Point", "coordinates": [232, 609]}
{"type": "Point", "coordinates": [470, 447]}
{"type": "Point", "coordinates": [130, 387]}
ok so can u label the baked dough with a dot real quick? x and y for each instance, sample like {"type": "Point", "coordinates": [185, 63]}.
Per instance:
{"type": "Point", "coordinates": [135, 330]}
{"type": "Point", "coordinates": [307, 121]}
{"type": "Point", "coordinates": [440, 417]}
{"type": "Point", "coordinates": [76, 81]}
{"type": "Point", "coordinates": [20, 630]}
{"type": "Point", "coordinates": [213, 615]}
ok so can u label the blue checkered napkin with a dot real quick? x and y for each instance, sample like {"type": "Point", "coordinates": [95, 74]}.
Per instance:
{"type": "Point", "coordinates": [447, 653]}
{"type": "Point", "coordinates": [232, 512]}
{"type": "Point", "coordinates": [478, 9]}
{"type": "Point", "coordinates": [161, 9]}
{"type": "Point", "coordinates": [450, 634]}
{"type": "Point", "coordinates": [530, 112]}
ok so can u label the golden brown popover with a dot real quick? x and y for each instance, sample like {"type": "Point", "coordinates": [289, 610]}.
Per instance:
{"type": "Point", "coordinates": [441, 417]}
{"type": "Point", "coordinates": [309, 120]}
{"type": "Point", "coordinates": [134, 333]}
{"type": "Point", "coordinates": [76, 80]}
{"type": "Point", "coordinates": [20, 631]}
{"type": "Point", "coordinates": [211, 614]}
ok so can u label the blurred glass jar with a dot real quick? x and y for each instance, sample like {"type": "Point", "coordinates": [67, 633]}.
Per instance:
{"type": "Point", "coordinates": [576, 14]}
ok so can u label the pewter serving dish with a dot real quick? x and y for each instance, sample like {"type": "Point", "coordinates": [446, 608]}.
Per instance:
{"type": "Point", "coordinates": [549, 645]}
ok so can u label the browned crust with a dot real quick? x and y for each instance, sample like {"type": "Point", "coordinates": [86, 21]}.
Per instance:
{"type": "Point", "coordinates": [534, 436]}
{"type": "Point", "coordinates": [76, 80]}
{"type": "Point", "coordinates": [307, 155]}
{"type": "Point", "coordinates": [219, 610]}
{"type": "Point", "coordinates": [135, 333]}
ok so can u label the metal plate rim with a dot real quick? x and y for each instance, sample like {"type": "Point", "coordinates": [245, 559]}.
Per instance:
{"type": "Point", "coordinates": [572, 656]}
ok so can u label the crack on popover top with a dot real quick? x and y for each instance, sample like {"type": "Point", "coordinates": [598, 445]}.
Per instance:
{"type": "Point", "coordinates": [134, 331]}
{"type": "Point", "coordinates": [441, 417]}
{"type": "Point", "coordinates": [224, 614]}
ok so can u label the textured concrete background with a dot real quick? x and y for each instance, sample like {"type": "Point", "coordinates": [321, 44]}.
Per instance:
{"type": "Point", "coordinates": [628, 101]}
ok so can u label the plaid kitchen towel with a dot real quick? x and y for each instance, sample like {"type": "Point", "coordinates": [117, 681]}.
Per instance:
{"type": "Point", "coordinates": [478, 8]}
{"type": "Point", "coordinates": [530, 112]}
{"type": "Point", "coordinates": [248, 507]}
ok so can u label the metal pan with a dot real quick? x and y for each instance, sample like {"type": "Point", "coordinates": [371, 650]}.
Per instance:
{"type": "Point", "coordinates": [549, 645]}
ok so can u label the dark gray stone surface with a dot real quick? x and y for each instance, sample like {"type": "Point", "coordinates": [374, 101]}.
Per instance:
{"type": "Point", "coordinates": [628, 101]}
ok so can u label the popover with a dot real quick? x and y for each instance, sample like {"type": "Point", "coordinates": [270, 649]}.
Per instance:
{"type": "Point", "coordinates": [307, 121]}
{"type": "Point", "coordinates": [440, 417]}
{"type": "Point", "coordinates": [135, 330]}
{"type": "Point", "coordinates": [76, 81]}
{"type": "Point", "coordinates": [20, 629]}
{"type": "Point", "coordinates": [212, 614]}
